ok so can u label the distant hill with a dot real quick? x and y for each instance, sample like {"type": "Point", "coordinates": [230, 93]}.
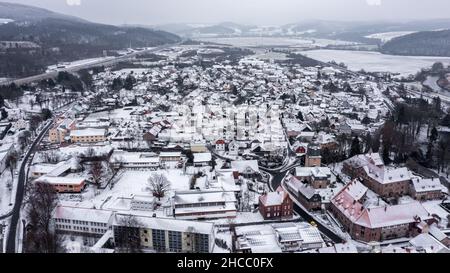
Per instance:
{"type": "Point", "coordinates": [425, 43]}
{"type": "Point", "coordinates": [18, 12]}
{"type": "Point", "coordinates": [63, 38]}
{"type": "Point", "coordinates": [362, 32]}
{"type": "Point", "coordinates": [221, 29]}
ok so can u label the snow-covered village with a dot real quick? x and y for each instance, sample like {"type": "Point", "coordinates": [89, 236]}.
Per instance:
{"type": "Point", "coordinates": [200, 146]}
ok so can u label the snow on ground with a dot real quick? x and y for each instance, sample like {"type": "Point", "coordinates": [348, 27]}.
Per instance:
{"type": "Point", "coordinates": [75, 150]}
{"type": "Point", "coordinates": [431, 82]}
{"type": "Point", "coordinates": [275, 41]}
{"type": "Point", "coordinates": [242, 217]}
{"type": "Point", "coordinates": [135, 71]}
{"type": "Point", "coordinates": [4, 21]}
{"type": "Point", "coordinates": [375, 61]}
{"type": "Point", "coordinates": [23, 103]}
{"type": "Point", "coordinates": [225, 235]}
{"type": "Point", "coordinates": [132, 183]}
{"type": "Point", "coordinates": [117, 114]}
{"type": "Point", "coordinates": [5, 193]}
{"type": "Point", "coordinates": [260, 41]}
{"type": "Point", "coordinates": [387, 36]}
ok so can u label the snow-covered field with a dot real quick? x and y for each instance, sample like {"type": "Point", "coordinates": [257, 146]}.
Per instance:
{"type": "Point", "coordinates": [387, 36]}
{"type": "Point", "coordinates": [275, 41]}
{"type": "Point", "coordinates": [431, 82]}
{"type": "Point", "coordinates": [259, 41]}
{"type": "Point", "coordinates": [375, 61]}
{"type": "Point", "coordinates": [132, 183]}
{"type": "Point", "coordinates": [5, 192]}
{"type": "Point", "coordinates": [4, 21]}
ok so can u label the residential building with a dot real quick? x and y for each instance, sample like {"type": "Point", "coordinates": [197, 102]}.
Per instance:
{"type": "Point", "coordinates": [82, 221]}
{"type": "Point", "coordinates": [88, 135]}
{"type": "Point", "coordinates": [376, 223]}
{"type": "Point", "coordinates": [276, 205]}
{"type": "Point", "coordinates": [204, 204]}
{"type": "Point", "coordinates": [426, 189]}
{"type": "Point", "coordinates": [313, 157]}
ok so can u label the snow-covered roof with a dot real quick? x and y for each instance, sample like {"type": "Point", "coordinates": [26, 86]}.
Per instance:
{"type": "Point", "coordinates": [43, 167]}
{"type": "Point", "coordinates": [202, 157]}
{"type": "Point", "coordinates": [426, 185]}
{"type": "Point", "coordinates": [168, 224]}
{"type": "Point", "coordinates": [170, 154]}
{"type": "Point", "coordinates": [393, 215]}
{"type": "Point", "coordinates": [387, 175]}
{"type": "Point", "coordinates": [365, 159]}
{"type": "Point", "coordinates": [311, 235]}
{"type": "Point", "coordinates": [356, 190]}
{"type": "Point", "coordinates": [61, 180]}
{"type": "Point", "coordinates": [349, 203]}
{"type": "Point", "coordinates": [198, 197]}
{"type": "Point", "coordinates": [88, 132]}
{"type": "Point", "coordinates": [427, 243]}
{"type": "Point", "coordinates": [243, 166]}
{"type": "Point", "coordinates": [82, 214]}
{"type": "Point", "coordinates": [225, 181]}
{"type": "Point", "coordinates": [275, 198]}
{"type": "Point", "coordinates": [313, 171]}
{"type": "Point", "coordinates": [132, 157]}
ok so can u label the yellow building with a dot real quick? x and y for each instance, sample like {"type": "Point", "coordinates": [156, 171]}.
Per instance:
{"type": "Point", "coordinates": [61, 130]}
{"type": "Point", "coordinates": [88, 135]}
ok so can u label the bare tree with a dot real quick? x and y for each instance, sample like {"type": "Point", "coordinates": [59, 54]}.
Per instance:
{"type": "Point", "coordinates": [90, 152]}
{"type": "Point", "coordinates": [51, 157]}
{"type": "Point", "coordinates": [129, 240]}
{"type": "Point", "coordinates": [11, 162]}
{"type": "Point", "coordinates": [40, 201]}
{"type": "Point", "coordinates": [97, 172]}
{"type": "Point", "coordinates": [35, 121]}
{"type": "Point", "coordinates": [158, 185]}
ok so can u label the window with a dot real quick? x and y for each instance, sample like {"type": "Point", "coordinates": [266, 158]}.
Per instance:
{"type": "Point", "coordinates": [201, 243]}
{"type": "Point", "coordinates": [175, 241]}
{"type": "Point", "coordinates": [159, 239]}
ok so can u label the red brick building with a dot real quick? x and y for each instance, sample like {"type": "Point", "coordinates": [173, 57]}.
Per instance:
{"type": "Point", "coordinates": [276, 205]}
{"type": "Point", "coordinates": [376, 223]}
{"type": "Point", "coordinates": [386, 182]}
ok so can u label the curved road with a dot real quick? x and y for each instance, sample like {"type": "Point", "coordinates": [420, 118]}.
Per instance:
{"type": "Point", "coordinates": [20, 192]}
{"type": "Point", "coordinates": [276, 182]}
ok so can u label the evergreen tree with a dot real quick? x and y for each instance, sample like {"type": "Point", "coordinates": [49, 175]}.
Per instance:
{"type": "Point", "coordinates": [355, 147]}
{"type": "Point", "coordinates": [433, 135]}
{"type": "Point", "coordinates": [4, 114]}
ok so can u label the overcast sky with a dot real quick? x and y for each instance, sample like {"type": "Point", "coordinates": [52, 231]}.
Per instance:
{"type": "Point", "coordinates": [263, 12]}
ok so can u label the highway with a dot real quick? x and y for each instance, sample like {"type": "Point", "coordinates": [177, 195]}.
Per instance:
{"type": "Point", "coordinates": [76, 68]}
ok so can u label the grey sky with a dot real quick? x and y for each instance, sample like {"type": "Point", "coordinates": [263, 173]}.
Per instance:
{"type": "Point", "coordinates": [266, 12]}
